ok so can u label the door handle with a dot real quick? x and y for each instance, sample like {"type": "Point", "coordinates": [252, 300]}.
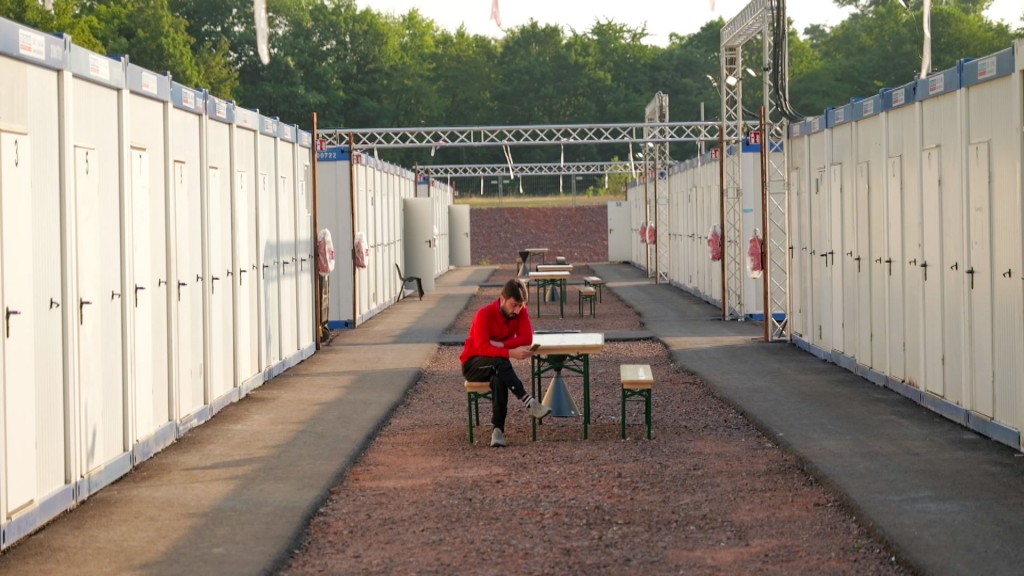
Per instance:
{"type": "Point", "coordinates": [212, 285]}
{"type": "Point", "coordinates": [81, 305]}
{"type": "Point", "coordinates": [970, 272]}
{"type": "Point", "coordinates": [924, 267]}
{"type": "Point", "coordinates": [7, 320]}
{"type": "Point", "coordinates": [180, 284]}
{"type": "Point", "coordinates": [137, 288]}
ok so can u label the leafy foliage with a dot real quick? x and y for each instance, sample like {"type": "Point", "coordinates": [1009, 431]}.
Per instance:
{"type": "Point", "coordinates": [361, 68]}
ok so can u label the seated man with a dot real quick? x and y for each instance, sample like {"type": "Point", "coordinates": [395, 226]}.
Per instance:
{"type": "Point", "coordinates": [501, 330]}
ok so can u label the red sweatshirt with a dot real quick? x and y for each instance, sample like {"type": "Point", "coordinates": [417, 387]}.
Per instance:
{"type": "Point", "coordinates": [490, 324]}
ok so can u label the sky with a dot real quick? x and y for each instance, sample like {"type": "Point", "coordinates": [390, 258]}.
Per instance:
{"type": "Point", "coordinates": [660, 16]}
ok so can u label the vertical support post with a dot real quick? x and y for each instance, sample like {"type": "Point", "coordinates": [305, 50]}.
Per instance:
{"type": "Point", "coordinates": [765, 269]}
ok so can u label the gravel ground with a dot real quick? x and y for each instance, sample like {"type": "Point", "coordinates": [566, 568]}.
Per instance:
{"type": "Point", "coordinates": [708, 495]}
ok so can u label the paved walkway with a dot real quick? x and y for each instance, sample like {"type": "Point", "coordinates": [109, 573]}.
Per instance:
{"type": "Point", "coordinates": [234, 495]}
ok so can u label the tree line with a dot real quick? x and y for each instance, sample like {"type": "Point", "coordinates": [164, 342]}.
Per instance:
{"type": "Point", "coordinates": [359, 68]}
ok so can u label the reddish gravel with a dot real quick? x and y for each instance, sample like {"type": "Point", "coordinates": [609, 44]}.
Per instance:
{"type": "Point", "coordinates": [708, 495]}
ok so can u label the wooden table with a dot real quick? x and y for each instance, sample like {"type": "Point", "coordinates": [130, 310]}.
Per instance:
{"type": "Point", "coordinates": [569, 351]}
{"type": "Point", "coordinates": [524, 256]}
{"type": "Point", "coordinates": [554, 267]}
{"type": "Point", "coordinates": [545, 279]}
{"type": "Point", "coordinates": [542, 251]}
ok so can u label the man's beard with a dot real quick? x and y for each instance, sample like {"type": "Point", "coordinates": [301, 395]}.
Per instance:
{"type": "Point", "coordinates": [510, 316]}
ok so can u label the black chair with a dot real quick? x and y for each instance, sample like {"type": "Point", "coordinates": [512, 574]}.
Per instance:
{"type": "Point", "coordinates": [406, 280]}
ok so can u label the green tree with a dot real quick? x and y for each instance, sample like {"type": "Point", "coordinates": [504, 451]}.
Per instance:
{"type": "Point", "coordinates": [149, 33]}
{"type": "Point", "coordinates": [64, 19]}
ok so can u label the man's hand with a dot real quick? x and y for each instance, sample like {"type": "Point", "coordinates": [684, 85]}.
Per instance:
{"type": "Point", "coordinates": [520, 353]}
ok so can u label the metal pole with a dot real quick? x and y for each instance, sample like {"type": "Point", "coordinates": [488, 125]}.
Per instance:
{"type": "Point", "coordinates": [765, 301]}
{"type": "Point", "coordinates": [354, 195]}
{"type": "Point", "coordinates": [317, 292]}
{"type": "Point", "coordinates": [721, 208]}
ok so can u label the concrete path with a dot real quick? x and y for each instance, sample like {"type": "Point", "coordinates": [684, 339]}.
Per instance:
{"type": "Point", "coordinates": [235, 494]}
{"type": "Point", "coordinates": [950, 501]}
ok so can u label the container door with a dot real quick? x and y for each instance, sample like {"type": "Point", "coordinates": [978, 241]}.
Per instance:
{"type": "Point", "coordinates": [142, 297]}
{"type": "Point", "coordinates": [894, 275]}
{"type": "Point", "coordinates": [289, 264]}
{"type": "Point", "coordinates": [824, 289]}
{"type": "Point", "coordinates": [847, 266]}
{"type": "Point", "coordinates": [931, 251]}
{"type": "Point", "coordinates": [244, 278]}
{"type": "Point", "coordinates": [979, 279]}
{"type": "Point", "coordinates": [187, 400]}
{"type": "Point", "coordinates": [914, 278]}
{"type": "Point", "coordinates": [304, 233]}
{"type": "Point", "coordinates": [834, 248]}
{"type": "Point", "coordinates": [618, 232]}
{"type": "Point", "coordinates": [90, 303]}
{"type": "Point", "coordinates": [218, 287]}
{"type": "Point", "coordinates": [949, 271]}
{"type": "Point", "coordinates": [269, 272]}
{"type": "Point", "coordinates": [19, 381]}
{"type": "Point", "coordinates": [877, 247]}
{"type": "Point", "coordinates": [461, 245]}
{"type": "Point", "coordinates": [860, 263]}
{"type": "Point", "coordinates": [794, 226]}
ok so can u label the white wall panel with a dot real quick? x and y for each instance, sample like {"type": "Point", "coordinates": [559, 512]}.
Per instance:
{"type": "Point", "coordinates": [988, 118]}
{"type": "Point", "coordinates": [979, 266]}
{"type": "Point", "coordinates": [246, 251]}
{"type": "Point", "coordinates": [269, 260]}
{"type": "Point", "coordinates": [18, 350]}
{"type": "Point", "coordinates": [931, 251]}
{"type": "Point", "coordinates": [305, 247]}
{"type": "Point", "coordinates": [287, 248]}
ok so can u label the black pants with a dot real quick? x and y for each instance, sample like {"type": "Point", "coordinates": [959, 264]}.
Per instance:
{"type": "Point", "coordinates": [502, 377]}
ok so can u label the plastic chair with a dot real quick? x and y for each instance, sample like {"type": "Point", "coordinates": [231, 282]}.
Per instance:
{"type": "Point", "coordinates": [405, 280]}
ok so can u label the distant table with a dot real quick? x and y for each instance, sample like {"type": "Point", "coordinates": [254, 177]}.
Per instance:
{"type": "Point", "coordinates": [554, 267]}
{"type": "Point", "coordinates": [542, 251]}
{"type": "Point", "coordinates": [565, 351]}
{"type": "Point", "coordinates": [524, 256]}
{"type": "Point", "coordinates": [543, 280]}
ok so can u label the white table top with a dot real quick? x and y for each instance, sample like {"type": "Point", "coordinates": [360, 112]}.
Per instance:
{"type": "Point", "coordinates": [548, 275]}
{"type": "Point", "coordinates": [569, 343]}
{"type": "Point", "coordinates": [535, 250]}
{"type": "Point", "coordinates": [554, 267]}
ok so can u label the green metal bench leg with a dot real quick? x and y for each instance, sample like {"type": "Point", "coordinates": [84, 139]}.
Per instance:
{"type": "Point", "coordinates": [469, 404]}
{"type": "Point", "coordinates": [623, 413]}
{"type": "Point", "coordinates": [648, 416]}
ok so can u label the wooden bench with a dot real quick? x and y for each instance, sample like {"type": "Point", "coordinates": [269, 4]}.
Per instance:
{"type": "Point", "coordinates": [476, 391]}
{"type": "Point", "coordinates": [596, 282]}
{"type": "Point", "coordinates": [637, 382]}
{"type": "Point", "coordinates": [588, 294]}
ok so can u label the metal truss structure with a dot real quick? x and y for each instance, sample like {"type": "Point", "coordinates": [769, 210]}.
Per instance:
{"type": "Point", "coordinates": [556, 135]}
{"type": "Point", "coordinates": [542, 169]}
{"type": "Point", "coordinates": [757, 19]}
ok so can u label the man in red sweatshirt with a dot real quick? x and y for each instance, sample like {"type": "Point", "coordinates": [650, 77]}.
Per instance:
{"type": "Point", "coordinates": [501, 330]}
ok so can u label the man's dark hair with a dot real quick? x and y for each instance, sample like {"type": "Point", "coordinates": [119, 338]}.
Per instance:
{"type": "Point", "coordinates": [515, 289]}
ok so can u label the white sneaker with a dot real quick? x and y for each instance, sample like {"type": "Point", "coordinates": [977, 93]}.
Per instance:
{"type": "Point", "coordinates": [538, 410]}
{"type": "Point", "coordinates": [497, 438]}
